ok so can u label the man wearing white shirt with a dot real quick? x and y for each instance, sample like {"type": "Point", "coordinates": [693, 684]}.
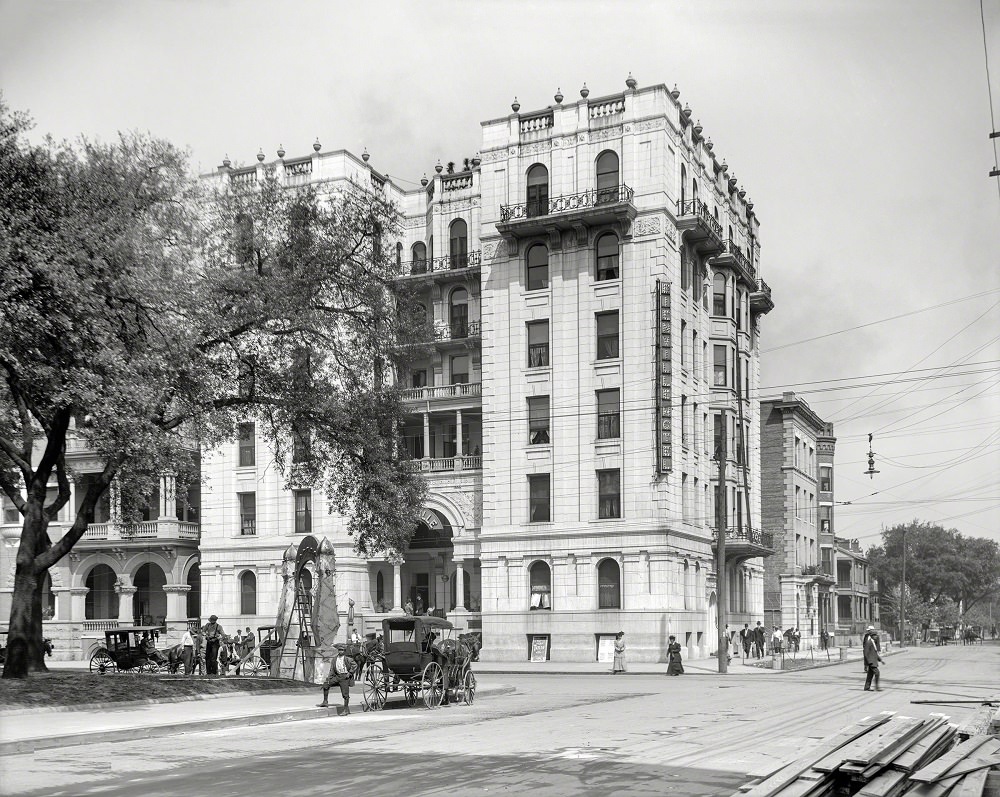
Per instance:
{"type": "Point", "coordinates": [342, 674]}
{"type": "Point", "coordinates": [187, 651]}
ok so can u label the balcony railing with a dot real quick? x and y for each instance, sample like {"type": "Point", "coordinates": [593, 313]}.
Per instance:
{"type": "Point", "coordinates": [164, 528]}
{"type": "Point", "coordinates": [760, 299]}
{"type": "Point", "coordinates": [446, 263]}
{"type": "Point", "coordinates": [442, 392]}
{"type": "Point", "coordinates": [732, 254]}
{"type": "Point", "coordinates": [697, 223]}
{"type": "Point", "coordinates": [445, 464]}
{"type": "Point", "coordinates": [594, 198]}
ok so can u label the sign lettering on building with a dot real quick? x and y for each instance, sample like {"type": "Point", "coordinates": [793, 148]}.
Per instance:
{"type": "Point", "coordinates": [664, 457]}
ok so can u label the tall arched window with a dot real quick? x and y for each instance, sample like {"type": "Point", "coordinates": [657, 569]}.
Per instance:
{"type": "Point", "coordinates": [458, 243]}
{"type": "Point", "coordinates": [684, 180]}
{"type": "Point", "coordinates": [419, 252]}
{"type": "Point", "coordinates": [609, 585]}
{"type": "Point", "coordinates": [458, 313]}
{"type": "Point", "coordinates": [540, 579]}
{"type": "Point", "coordinates": [688, 587]}
{"type": "Point", "coordinates": [694, 193]}
{"type": "Point", "coordinates": [719, 294]}
{"type": "Point", "coordinates": [101, 602]}
{"type": "Point", "coordinates": [538, 191]}
{"type": "Point", "coordinates": [194, 594]}
{"type": "Point", "coordinates": [607, 177]}
{"type": "Point", "coordinates": [607, 257]}
{"type": "Point", "coordinates": [48, 598]}
{"type": "Point", "coordinates": [399, 256]}
{"type": "Point", "coordinates": [380, 591]}
{"type": "Point", "coordinates": [248, 593]}
{"type": "Point", "coordinates": [537, 268]}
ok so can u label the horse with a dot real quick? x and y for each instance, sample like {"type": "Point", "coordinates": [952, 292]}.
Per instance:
{"type": "Point", "coordinates": [470, 644]}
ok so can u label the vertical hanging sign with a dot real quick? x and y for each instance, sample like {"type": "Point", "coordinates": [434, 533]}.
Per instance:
{"type": "Point", "coordinates": [664, 458]}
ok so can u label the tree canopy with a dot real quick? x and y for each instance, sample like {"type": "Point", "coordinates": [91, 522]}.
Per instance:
{"type": "Point", "coordinates": [147, 313]}
{"type": "Point", "coordinates": [942, 566]}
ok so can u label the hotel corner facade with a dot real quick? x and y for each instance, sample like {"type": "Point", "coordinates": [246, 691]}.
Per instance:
{"type": "Point", "coordinates": [593, 302]}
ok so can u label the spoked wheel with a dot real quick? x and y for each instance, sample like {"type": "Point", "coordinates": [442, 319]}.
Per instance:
{"type": "Point", "coordinates": [254, 667]}
{"type": "Point", "coordinates": [149, 668]}
{"type": "Point", "coordinates": [411, 692]}
{"type": "Point", "coordinates": [469, 687]}
{"type": "Point", "coordinates": [432, 685]}
{"type": "Point", "coordinates": [375, 688]}
{"type": "Point", "coordinates": [102, 663]}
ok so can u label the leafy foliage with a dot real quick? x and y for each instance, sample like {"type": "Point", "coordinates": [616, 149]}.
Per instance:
{"type": "Point", "coordinates": [144, 313]}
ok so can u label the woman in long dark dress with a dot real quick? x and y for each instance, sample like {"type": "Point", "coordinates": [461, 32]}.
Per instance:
{"type": "Point", "coordinates": [674, 666]}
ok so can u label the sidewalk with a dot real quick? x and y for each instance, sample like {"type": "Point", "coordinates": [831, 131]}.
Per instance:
{"type": "Point", "coordinates": [25, 731]}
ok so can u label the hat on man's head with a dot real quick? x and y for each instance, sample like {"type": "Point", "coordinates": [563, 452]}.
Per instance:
{"type": "Point", "coordinates": [871, 628]}
{"type": "Point", "coordinates": [213, 618]}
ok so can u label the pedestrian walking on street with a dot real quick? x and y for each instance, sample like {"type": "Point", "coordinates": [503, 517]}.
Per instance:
{"type": "Point", "coordinates": [746, 639]}
{"type": "Point", "coordinates": [213, 637]}
{"type": "Point", "coordinates": [725, 646]}
{"type": "Point", "coordinates": [619, 665]}
{"type": "Point", "coordinates": [758, 639]}
{"type": "Point", "coordinates": [776, 640]}
{"type": "Point", "coordinates": [872, 659]}
{"type": "Point", "coordinates": [674, 666]}
{"type": "Point", "coordinates": [187, 651]}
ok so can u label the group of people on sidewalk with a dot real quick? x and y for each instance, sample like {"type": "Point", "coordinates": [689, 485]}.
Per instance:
{"type": "Point", "coordinates": [674, 665]}
{"type": "Point", "coordinates": [211, 647]}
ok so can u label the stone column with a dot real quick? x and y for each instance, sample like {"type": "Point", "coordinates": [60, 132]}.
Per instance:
{"type": "Point", "coordinates": [427, 435]}
{"type": "Point", "coordinates": [125, 595]}
{"type": "Point", "coordinates": [397, 587]}
{"type": "Point", "coordinates": [460, 586]}
{"type": "Point", "coordinates": [78, 604]}
{"type": "Point", "coordinates": [458, 434]}
{"type": "Point", "coordinates": [176, 602]}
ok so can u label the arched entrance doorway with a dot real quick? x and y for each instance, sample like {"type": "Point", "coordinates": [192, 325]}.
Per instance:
{"type": "Point", "coordinates": [194, 594]}
{"type": "Point", "coordinates": [101, 602]}
{"type": "Point", "coordinates": [149, 603]}
{"type": "Point", "coordinates": [428, 562]}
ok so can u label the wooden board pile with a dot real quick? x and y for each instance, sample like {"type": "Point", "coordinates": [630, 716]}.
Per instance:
{"type": "Point", "coordinates": [886, 756]}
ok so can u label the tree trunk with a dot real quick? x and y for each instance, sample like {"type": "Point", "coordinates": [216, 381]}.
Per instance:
{"type": "Point", "coordinates": [24, 635]}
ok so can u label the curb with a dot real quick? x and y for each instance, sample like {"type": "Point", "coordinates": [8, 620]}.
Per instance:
{"type": "Point", "coordinates": [199, 726]}
{"type": "Point", "coordinates": [127, 704]}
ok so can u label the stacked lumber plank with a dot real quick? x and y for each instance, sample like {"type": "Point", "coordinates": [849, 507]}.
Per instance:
{"type": "Point", "coordinates": [887, 756]}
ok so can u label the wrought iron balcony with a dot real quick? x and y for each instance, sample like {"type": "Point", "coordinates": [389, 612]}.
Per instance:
{"type": "Point", "coordinates": [760, 299]}
{"type": "Point", "coordinates": [441, 266]}
{"type": "Point", "coordinates": [742, 543]}
{"type": "Point", "coordinates": [570, 212]}
{"type": "Point", "coordinates": [699, 227]}
{"type": "Point", "coordinates": [732, 256]}
{"type": "Point", "coordinates": [446, 333]}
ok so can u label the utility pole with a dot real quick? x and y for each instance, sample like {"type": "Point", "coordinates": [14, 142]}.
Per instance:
{"type": "Point", "coordinates": [721, 514]}
{"type": "Point", "coordinates": [902, 589]}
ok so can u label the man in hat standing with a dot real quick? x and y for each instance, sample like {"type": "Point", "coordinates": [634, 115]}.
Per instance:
{"type": "Point", "coordinates": [213, 636]}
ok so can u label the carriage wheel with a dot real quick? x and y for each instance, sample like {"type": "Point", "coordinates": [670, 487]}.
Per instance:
{"type": "Point", "coordinates": [376, 690]}
{"type": "Point", "coordinates": [150, 667]}
{"type": "Point", "coordinates": [101, 662]}
{"type": "Point", "coordinates": [255, 668]}
{"type": "Point", "coordinates": [432, 685]}
{"type": "Point", "coordinates": [469, 687]}
{"type": "Point", "coordinates": [410, 691]}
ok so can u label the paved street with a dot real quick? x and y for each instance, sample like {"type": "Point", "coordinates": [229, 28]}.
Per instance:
{"type": "Point", "coordinates": [557, 735]}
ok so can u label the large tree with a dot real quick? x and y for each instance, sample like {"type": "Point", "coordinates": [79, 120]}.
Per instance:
{"type": "Point", "coordinates": [943, 567]}
{"type": "Point", "coordinates": [146, 314]}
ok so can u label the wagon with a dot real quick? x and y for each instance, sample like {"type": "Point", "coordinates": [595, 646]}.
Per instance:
{"type": "Point", "coordinates": [423, 661]}
{"type": "Point", "coordinates": [256, 662]}
{"type": "Point", "coordinates": [123, 652]}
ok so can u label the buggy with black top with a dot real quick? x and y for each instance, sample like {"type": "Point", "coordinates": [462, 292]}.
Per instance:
{"type": "Point", "coordinates": [425, 661]}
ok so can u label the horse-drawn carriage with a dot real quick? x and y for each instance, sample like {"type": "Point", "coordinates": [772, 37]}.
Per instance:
{"type": "Point", "coordinates": [424, 661]}
{"type": "Point", "coordinates": [125, 650]}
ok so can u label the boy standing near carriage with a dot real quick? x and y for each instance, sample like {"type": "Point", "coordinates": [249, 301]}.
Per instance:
{"type": "Point", "coordinates": [342, 675]}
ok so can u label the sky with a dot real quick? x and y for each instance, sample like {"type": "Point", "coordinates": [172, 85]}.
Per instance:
{"type": "Point", "coordinates": [860, 129]}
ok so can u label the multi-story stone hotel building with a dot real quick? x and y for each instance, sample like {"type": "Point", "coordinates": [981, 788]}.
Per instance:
{"type": "Point", "coordinates": [591, 286]}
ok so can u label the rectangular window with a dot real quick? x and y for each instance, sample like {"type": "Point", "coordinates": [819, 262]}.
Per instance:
{"type": "Point", "coordinates": [538, 420]}
{"type": "Point", "coordinates": [537, 274]}
{"type": "Point", "coordinates": [718, 432]}
{"type": "Point", "coordinates": [248, 453]}
{"type": "Point", "coordinates": [539, 498]}
{"type": "Point", "coordinates": [538, 344]}
{"type": "Point", "coordinates": [301, 447]}
{"type": "Point", "coordinates": [685, 272]}
{"type": "Point", "coordinates": [719, 299]}
{"type": "Point", "coordinates": [607, 267]}
{"type": "Point", "coordinates": [460, 370]}
{"type": "Point", "coordinates": [685, 498]}
{"type": "Point", "coordinates": [607, 335]}
{"type": "Point", "coordinates": [608, 415]}
{"type": "Point", "coordinates": [685, 424]}
{"type": "Point", "coordinates": [303, 511]}
{"type": "Point", "coordinates": [418, 378]}
{"type": "Point", "coordinates": [719, 359]}
{"type": "Point", "coordinates": [248, 513]}
{"type": "Point", "coordinates": [683, 344]}
{"type": "Point", "coordinates": [609, 498]}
